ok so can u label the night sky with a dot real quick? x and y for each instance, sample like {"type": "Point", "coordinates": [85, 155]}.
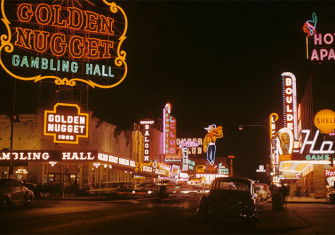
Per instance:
{"type": "Point", "coordinates": [216, 62]}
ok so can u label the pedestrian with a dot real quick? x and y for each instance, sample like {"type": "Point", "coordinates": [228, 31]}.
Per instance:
{"type": "Point", "coordinates": [284, 191]}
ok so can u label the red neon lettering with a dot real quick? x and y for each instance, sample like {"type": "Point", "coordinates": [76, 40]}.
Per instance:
{"type": "Point", "coordinates": [43, 14]}
{"type": "Point", "coordinates": [23, 37]}
{"type": "Point", "coordinates": [91, 21]}
{"type": "Point", "coordinates": [76, 18]}
{"type": "Point", "coordinates": [24, 12]}
{"type": "Point", "coordinates": [76, 42]}
{"type": "Point", "coordinates": [40, 41]}
{"type": "Point", "coordinates": [57, 20]}
{"type": "Point", "coordinates": [59, 48]}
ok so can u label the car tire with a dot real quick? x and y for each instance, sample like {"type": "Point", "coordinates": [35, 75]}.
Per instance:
{"type": "Point", "coordinates": [28, 201]}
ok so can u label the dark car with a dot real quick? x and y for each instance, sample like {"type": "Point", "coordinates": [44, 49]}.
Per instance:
{"type": "Point", "coordinates": [230, 199]}
{"type": "Point", "coordinates": [12, 191]}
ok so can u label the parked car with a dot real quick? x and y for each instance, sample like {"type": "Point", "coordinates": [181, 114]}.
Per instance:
{"type": "Point", "coordinates": [230, 199]}
{"type": "Point", "coordinates": [12, 191]}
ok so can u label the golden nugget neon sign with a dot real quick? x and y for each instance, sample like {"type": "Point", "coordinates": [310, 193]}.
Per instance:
{"type": "Point", "coordinates": [65, 41]}
{"type": "Point", "coordinates": [66, 123]}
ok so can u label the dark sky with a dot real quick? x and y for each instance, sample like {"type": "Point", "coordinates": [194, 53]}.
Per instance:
{"type": "Point", "coordinates": [216, 62]}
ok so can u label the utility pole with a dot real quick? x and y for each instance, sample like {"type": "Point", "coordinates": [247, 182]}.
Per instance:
{"type": "Point", "coordinates": [231, 158]}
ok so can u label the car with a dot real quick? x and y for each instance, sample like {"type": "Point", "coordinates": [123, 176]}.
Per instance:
{"type": "Point", "coordinates": [13, 191]}
{"type": "Point", "coordinates": [147, 189]}
{"type": "Point", "coordinates": [231, 199]}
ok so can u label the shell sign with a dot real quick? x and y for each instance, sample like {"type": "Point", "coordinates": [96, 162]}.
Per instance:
{"type": "Point", "coordinates": [70, 42]}
{"type": "Point", "coordinates": [324, 120]}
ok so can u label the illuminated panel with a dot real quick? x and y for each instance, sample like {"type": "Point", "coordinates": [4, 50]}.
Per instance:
{"type": "Point", "coordinates": [66, 123]}
{"type": "Point", "coordinates": [290, 103]}
{"type": "Point", "coordinates": [66, 41]}
{"type": "Point", "coordinates": [147, 139]}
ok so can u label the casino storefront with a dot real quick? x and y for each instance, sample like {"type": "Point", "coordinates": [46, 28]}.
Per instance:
{"type": "Point", "coordinates": [103, 154]}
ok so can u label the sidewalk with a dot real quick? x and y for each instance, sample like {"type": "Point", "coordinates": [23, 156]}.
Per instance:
{"type": "Point", "coordinates": [305, 200]}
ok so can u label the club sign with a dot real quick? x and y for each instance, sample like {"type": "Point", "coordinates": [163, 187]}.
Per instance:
{"type": "Point", "coordinates": [67, 41]}
{"type": "Point", "coordinates": [66, 123]}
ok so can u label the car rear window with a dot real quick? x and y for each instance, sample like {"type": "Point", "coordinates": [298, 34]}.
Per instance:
{"type": "Point", "coordinates": [233, 185]}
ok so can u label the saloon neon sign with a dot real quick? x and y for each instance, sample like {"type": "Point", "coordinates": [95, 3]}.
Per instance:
{"type": "Point", "coordinates": [74, 45]}
{"type": "Point", "coordinates": [147, 126]}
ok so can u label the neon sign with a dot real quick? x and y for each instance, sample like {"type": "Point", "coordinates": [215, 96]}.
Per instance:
{"type": "Point", "coordinates": [52, 156]}
{"type": "Point", "coordinates": [169, 134]}
{"type": "Point", "coordinates": [194, 145]}
{"type": "Point", "coordinates": [310, 25]}
{"type": "Point", "coordinates": [147, 125]}
{"type": "Point", "coordinates": [286, 140]}
{"type": "Point", "coordinates": [68, 42]}
{"type": "Point", "coordinates": [326, 146]}
{"type": "Point", "coordinates": [209, 142]}
{"type": "Point", "coordinates": [66, 123]}
{"type": "Point", "coordinates": [290, 102]}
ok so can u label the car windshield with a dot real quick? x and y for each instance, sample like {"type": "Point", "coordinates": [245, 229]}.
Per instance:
{"type": "Point", "coordinates": [234, 185]}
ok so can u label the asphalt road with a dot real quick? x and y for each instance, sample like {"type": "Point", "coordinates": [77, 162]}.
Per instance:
{"type": "Point", "coordinates": [151, 217]}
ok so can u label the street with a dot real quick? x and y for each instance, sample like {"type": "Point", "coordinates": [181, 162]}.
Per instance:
{"type": "Point", "coordinates": [156, 217]}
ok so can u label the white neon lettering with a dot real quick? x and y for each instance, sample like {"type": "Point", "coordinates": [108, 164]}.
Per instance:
{"type": "Point", "coordinates": [313, 142]}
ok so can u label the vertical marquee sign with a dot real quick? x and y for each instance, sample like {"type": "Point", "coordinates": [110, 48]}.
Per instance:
{"type": "Point", "coordinates": [66, 123]}
{"type": "Point", "coordinates": [290, 103]}
{"type": "Point", "coordinates": [169, 134]}
{"type": "Point", "coordinates": [147, 139]}
{"type": "Point", "coordinates": [66, 41]}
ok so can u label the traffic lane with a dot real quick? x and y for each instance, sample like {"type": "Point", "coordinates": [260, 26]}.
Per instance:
{"type": "Point", "coordinates": [168, 216]}
{"type": "Point", "coordinates": [59, 214]}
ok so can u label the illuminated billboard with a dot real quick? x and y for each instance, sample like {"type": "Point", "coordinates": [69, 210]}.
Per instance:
{"type": "Point", "coordinates": [66, 41]}
{"type": "Point", "coordinates": [65, 123]}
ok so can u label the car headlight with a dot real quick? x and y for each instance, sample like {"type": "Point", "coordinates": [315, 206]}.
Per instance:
{"type": "Point", "coordinates": [149, 192]}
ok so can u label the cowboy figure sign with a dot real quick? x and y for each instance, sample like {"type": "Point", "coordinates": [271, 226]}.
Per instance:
{"type": "Point", "coordinates": [209, 141]}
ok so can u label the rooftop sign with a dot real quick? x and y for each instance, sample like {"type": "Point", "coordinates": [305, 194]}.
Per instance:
{"type": "Point", "coordinates": [66, 41]}
{"type": "Point", "coordinates": [66, 123]}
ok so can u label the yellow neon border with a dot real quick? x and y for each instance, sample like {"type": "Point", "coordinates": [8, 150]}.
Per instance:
{"type": "Point", "coordinates": [275, 115]}
{"type": "Point", "coordinates": [119, 61]}
{"type": "Point", "coordinates": [46, 112]}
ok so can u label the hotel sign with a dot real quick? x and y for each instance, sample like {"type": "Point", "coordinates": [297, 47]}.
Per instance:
{"type": "Point", "coordinates": [66, 123]}
{"type": "Point", "coordinates": [66, 41]}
